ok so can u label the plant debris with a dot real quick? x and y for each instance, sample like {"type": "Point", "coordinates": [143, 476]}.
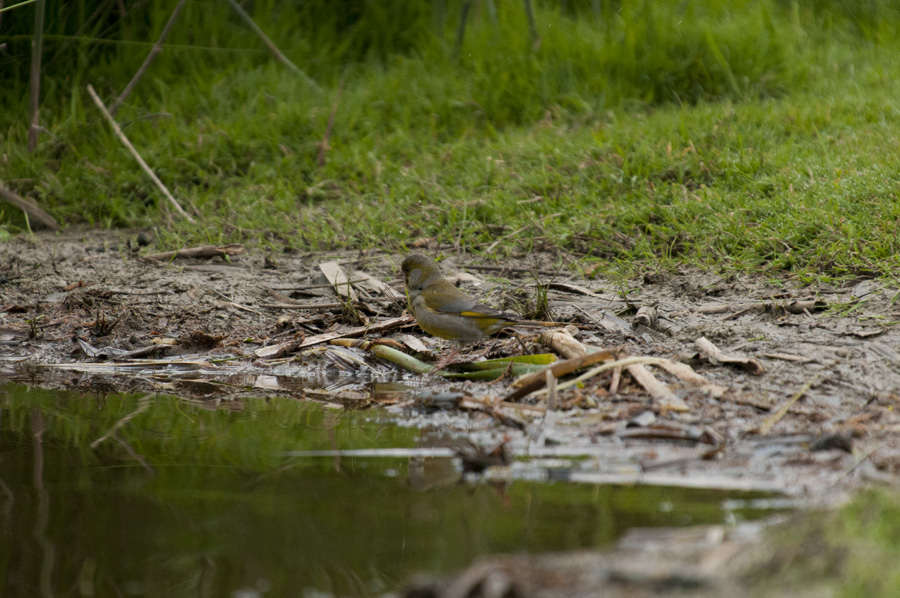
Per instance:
{"type": "Point", "coordinates": [768, 388]}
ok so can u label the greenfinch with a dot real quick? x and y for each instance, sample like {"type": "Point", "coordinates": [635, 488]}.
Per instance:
{"type": "Point", "coordinates": [445, 311]}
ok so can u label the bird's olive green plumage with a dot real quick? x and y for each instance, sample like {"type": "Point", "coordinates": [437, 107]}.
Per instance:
{"type": "Point", "coordinates": [443, 310]}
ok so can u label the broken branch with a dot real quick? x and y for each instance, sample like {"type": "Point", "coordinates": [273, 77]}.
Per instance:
{"type": "Point", "coordinates": [206, 251]}
{"type": "Point", "coordinates": [157, 48]}
{"type": "Point", "coordinates": [533, 382]}
{"type": "Point", "coordinates": [271, 46]}
{"type": "Point", "coordinates": [715, 354]}
{"type": "Point", "coordinates": [29, 208]}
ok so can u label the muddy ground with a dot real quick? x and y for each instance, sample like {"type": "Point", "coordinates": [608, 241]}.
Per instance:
{"type": "Point", "coordinates": [807, 409]}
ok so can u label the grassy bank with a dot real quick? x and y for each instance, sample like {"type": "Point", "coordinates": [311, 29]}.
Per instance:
{"type": "Point", "coordinates": [845, 552]}
{"type": "Point", "coordinates": [751, 135]}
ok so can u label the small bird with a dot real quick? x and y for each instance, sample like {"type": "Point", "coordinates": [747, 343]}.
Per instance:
{"type": "Point", "coordinates": [445, 311]}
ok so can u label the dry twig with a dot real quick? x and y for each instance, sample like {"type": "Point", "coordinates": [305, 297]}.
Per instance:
{"type": "Point", "coordinates": [659, 391]}
{"type": "Point", "coordinates": [797, 306]}
{"type": "Point", "coordinates": [206, 251]}
{"type": "Point", "coordinates": [551, 390]}
{"type": "Point", "coordinates": [137, 156]}
{"type": "Point", "coordinates": [30, 208]}
{"type": "Point", "coordinates": [327, 336]}
{"type": "Point", "coordinates": [773, 419]}
{"type": "Point", "coordinates": [580, 290]}
{"type": "Point", "coordinates": [37, 44]}
{"type": "Point", "coordinates": [157, 48]}
{"type": "Point", "coordinates": [271, 46]}
{"type": "Point", "coordinates": [715, 354]}
{"type": "Point", "coordinates": [533, 382]}
{"type": "Point", "coordinates": [299, 305]}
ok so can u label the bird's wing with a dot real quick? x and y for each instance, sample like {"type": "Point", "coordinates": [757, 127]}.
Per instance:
{"type": "Point", "coordinates": [452, 301]}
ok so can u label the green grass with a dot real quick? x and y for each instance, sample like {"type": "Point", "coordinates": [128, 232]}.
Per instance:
{"type": "Point", "coordinates": [849, 552]}
{"type": "Point", "coordinates": [752, 136]}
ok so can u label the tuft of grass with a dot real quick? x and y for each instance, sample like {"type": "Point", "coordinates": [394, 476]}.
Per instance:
{"type": "Point", "coordinates": [739, 135]}
{"type": "Point", "coordinates": [848, 552]}
{"type": "Point", "coordinates": [540, 304]}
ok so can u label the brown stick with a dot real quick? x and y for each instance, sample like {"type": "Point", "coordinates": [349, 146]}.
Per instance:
{"type": "Point", "coordinates": [782, 410]}
{"type": "Point", "coordinates": [715, 354]}
{"type": "Point", "coordinates": [271, 46]}
{"type": "Point", "coordinates": [157, 48]}
{"type": "Point", "coordinates": [532, 382]}
{"type": "Point", "coordinates": [614, 382]}
{"type": "Point", "coordinates": [661, 393]}
{"type": "Point", "coordinates": [29, 208]}
{"type": "Point", "coordinates": [273, 350]}
{"type": "Point", "coordinates": [37, 45]}
{"type": "Point", "coordinates": [137, 156]}
{"type": "Point", "coordinates": [563, 343]}
{"type": "Point", "coordinates": [193, 252]}
{"type": "Point", "coordinates": [301, 305]}
{"type": "Point", "coordinates": [550, 381]}
{"type": "Point", "coordinates": [793, 306]}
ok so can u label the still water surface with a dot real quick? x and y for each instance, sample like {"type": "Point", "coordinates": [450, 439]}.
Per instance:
{"type": "Point", "coordinates": [158, 496]}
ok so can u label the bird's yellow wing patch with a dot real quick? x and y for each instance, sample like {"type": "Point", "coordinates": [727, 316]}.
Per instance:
{"type": "Point", "coordinates": [476, 314]}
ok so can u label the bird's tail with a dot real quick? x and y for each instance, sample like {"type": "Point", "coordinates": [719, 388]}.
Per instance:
{"type": "Point", "coordinates": [537, 323]}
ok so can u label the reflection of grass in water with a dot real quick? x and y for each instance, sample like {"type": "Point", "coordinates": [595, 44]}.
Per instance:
{"type": "Point", "coordinates": [176, 430]}
{"type": "Point", "coordinates": [851, 551]}
{"type": "Point", "coordinates": [223, 503]}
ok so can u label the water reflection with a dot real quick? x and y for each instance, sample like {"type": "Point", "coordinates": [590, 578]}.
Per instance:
{"type": "Point", "coordinates": [154, 496]}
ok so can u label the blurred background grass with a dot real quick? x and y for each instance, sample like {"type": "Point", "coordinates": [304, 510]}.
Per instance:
{"type": "Point", "coordinates": [763, 133]}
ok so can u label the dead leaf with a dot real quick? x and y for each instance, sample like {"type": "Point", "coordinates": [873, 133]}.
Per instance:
{"type": "Point", "coordinates": [338, 279]}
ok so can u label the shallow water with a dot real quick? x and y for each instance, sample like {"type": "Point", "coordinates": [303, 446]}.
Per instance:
{"type": "Point", "coordinates": [158, 496]}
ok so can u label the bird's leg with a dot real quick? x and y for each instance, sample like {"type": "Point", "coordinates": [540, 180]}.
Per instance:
{"type": "Point", "coordinates": [489, 348]}
{"type": "Point", "coordinates": [518, 337]}
{"type": "Point", "coordinates": [446, 360]}
{"type": "Point", "coordinates": [456, 349]}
